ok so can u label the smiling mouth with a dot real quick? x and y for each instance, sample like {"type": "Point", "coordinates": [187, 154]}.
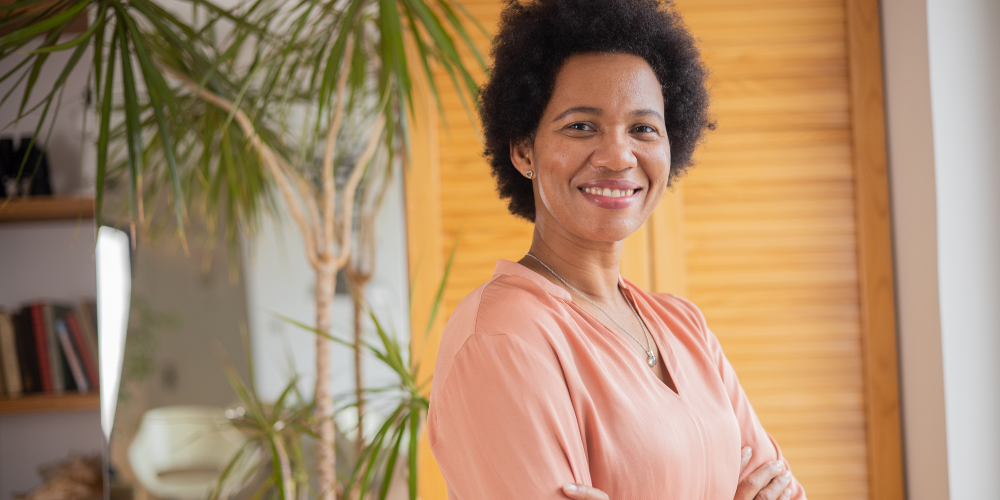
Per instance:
{"type": "Point", "coordinates": [610, 193]}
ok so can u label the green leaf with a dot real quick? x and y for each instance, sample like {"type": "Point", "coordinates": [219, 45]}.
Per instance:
{"type": "Point", "coordinates": [414, 437]}
{"type": "Point", "coordinates": [228, 470]}
{"type": "Point", "coordinates": [82, 38]}
{"type": "Point", "coordinates": [104, 133]}
{"type": "Point", "coordinates": [457, 25]}
{"type": "Point", "coordinates": [132, 116]}
{"type": "Point", "coordinates": [59, 21]}
{"type": "Point", "coordinates": [390, 465]}
{"type": "Point", "coordinates": [470, 17]}
{"type": "Point", "coordinates": [376, 448]}
{"type": "Point", "coordinates": [16, 5]}
{"type": "Point", "coordinates": [100, 21]}
{"type": "Point", "coordinates": [160, 95]}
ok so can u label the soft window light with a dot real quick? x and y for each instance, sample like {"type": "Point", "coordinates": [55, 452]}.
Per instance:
{"type": "Point", "coordinates": [114, 289]}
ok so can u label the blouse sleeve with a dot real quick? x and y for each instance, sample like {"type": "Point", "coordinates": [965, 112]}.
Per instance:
{"type": "Point", "coordinates": [765, 448]}
{"type": "Point", "coordinates": [503, 425]}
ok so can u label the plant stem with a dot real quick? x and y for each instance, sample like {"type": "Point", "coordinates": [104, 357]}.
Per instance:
{"type": "Point", "coordinates": [358, 382]}
{"type": "Point", "coordinates": [326, 458]}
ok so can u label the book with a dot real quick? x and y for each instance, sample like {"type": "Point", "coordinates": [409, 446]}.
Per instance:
{"type": "Point", "coordinates": [56, 362]}
{"type": "Point", "coordinates": [88, 358]}
{"type": "Point", "coordinates": [8, 357]}
{"type": "Point", "coordinates": [72, 358]}
{"type": "Point", "coordinates": [87, 313]}
{"type": "Point", "coordinates": [41, 347]}
{"type": "Point", "coordinates": [31, 377]}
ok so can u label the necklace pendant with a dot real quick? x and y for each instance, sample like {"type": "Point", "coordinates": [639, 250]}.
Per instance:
{"type": "Point", "coordinates": [651, 359]}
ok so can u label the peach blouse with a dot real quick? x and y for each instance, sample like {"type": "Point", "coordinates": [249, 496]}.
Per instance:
{"type": "Point", "coordinates": [531, 392]}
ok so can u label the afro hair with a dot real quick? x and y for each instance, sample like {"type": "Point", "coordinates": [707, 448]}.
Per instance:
{"type": "Point", "coordinates": [536, 37]}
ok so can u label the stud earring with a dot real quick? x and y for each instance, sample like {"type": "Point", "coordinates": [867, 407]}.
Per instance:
{"type": "Point", "coordinates": [529, 174]}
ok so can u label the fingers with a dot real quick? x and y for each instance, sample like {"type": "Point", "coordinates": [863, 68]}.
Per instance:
{"type": "Point", "coordinates": [751, 486]}
{"type": "Point", "coordinates": [745, 458]}
{"type": "Point", "coordinates": [581, 492]}
{"type": "Point", "coordinates": [778, 489]}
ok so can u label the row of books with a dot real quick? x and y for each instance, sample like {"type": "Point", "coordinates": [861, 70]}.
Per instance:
{"type": "Point", "coordinates": [48, 349]}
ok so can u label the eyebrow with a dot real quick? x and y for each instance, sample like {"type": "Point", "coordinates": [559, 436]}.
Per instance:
{"type": "Point", "coordinates": [646, 112]}
{"type": "Point", "coordinates": [590, 110]}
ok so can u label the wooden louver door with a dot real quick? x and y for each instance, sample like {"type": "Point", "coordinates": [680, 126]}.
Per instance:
{"type": "Point", "coordinates": [779, 233]}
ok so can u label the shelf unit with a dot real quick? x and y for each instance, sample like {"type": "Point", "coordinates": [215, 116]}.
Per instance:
{"type": "Point", "coordinates": [50, 403]}
{"type": "Point", "coordinates": [43, 208]}
{"type": "Point", "coordinates": [35, 209]}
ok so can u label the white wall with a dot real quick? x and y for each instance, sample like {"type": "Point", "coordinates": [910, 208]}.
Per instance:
{"type": "Point", "coordinates": [280, 282]}
{"type": "Point", "coordinates": [69, 175]}
{"type": "Point", "coordinates": [27, 440]}
{"type": "Point", "coordinates": [942, 68]}
{"type": "Point", "coordinates": [964, 41]}
{"type": "Point", "coordinates": [50, 261]}
{"type": "Point", "coordinates": [911, 161]}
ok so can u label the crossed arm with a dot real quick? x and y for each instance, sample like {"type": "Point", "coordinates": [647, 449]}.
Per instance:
{"type": "Point", "coordinates": [769, 482]}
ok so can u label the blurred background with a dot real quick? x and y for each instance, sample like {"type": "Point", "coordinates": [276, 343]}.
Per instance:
{"type": "Point", "coordinates": [840, 232]}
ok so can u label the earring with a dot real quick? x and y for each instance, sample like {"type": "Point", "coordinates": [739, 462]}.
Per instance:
{"type": "Point", "coordinates": [529, 174]}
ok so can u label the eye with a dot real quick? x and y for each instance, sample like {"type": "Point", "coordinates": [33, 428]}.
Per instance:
{"type": "Point", "coordinates": [645, 129]}
{"type": "Point", "coordinates": [580, 126]}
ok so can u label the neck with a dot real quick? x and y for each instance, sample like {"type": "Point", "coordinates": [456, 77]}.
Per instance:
{"type": "Point", "coordinates": [592, 267]}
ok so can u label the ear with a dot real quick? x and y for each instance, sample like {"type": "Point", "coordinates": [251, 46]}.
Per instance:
{"type": "Point", "coordinates": [522, 155]}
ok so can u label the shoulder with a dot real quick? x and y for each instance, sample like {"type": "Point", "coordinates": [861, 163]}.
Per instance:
{"type": "Point", "coordinates": [679, 307]}
{"type": "Point", "coordinates": [682, 317]}
{"type": "Point", "coordinates": [512, 307]}
{"type": "Point", "coordinates": [671, 306]}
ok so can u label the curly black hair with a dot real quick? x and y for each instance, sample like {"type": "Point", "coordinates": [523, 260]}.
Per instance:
{"type": "Point", "coordinates": [535, 39]}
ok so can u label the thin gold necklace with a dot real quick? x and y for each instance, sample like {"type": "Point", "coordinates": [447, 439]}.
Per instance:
{"type": "Point", "coordinates": [650, 355]}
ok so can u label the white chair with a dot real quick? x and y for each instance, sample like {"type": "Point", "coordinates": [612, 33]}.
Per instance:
{"type": "Point", "coordinates": [180, 451]}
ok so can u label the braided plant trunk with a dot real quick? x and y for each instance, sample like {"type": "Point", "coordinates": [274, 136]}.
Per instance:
{"type": "Point", "coordinates": [327, 234]}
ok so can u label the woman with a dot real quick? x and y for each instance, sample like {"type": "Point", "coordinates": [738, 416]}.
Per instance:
{"type": "Point", "coordinates": [558, 378]}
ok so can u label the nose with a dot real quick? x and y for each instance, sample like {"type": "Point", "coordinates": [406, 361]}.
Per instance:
{"type": "Point", "coordinates": [614, 152]}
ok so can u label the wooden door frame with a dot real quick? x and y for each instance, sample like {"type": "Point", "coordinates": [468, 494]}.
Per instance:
{"type": "Point", "coordinates": [874, 242]}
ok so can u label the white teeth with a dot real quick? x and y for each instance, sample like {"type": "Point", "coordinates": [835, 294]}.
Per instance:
{"type": "Point", "coordinates": [610, 193]}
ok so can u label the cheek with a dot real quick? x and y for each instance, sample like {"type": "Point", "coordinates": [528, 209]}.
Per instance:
{"type": "Point", "coordinates": [658, 168]}
{"type": "Point", "coordinates": [555, 169]}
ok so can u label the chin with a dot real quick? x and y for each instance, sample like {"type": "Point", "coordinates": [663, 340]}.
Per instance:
{"type": "Point", "coordinates": [608, 229]}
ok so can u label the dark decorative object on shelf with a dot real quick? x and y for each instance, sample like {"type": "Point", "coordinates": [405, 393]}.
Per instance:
{"type": "Point", "coordinates": [38, 166]}
{"type": "Point", "coordinates": [33, 180]}
{"type": "Point", "coordinates": [7, 169]}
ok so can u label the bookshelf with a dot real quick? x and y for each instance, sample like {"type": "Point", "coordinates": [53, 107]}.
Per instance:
{"type": "Point", "coordinates": [34, 403]}
{"type": "Point", "coordinates": [47, 252]}
{"type": "Point", "coordinates": [44, 208]}
{"type": "Point", "coordinates": [37, 209]}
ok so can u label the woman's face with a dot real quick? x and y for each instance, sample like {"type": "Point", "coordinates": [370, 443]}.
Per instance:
{"type": "Point", "coordinates": [600, 158]}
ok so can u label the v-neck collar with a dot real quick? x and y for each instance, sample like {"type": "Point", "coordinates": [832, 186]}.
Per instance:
{"type": "Point", "coordinates": [509, 268]}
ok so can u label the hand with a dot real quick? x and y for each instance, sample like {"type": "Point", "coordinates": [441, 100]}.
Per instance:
{"type": "Point", "coordinates": [581, 492]}
{"type": "Point", "coordinates": [768, 482]}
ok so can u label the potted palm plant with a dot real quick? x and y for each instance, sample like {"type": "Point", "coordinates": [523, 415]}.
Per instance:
{"type": "Point", "coordinates": [228, 109]}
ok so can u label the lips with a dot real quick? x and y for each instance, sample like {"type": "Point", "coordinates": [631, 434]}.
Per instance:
{"type": "Point", "coordinates": [610, 194]}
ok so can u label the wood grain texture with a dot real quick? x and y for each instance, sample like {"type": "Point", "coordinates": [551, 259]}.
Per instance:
{"type": "Point", "coordinates": [45, 208]}
{"type": "Point", "coordinates": [878, 319]}
{"type": "Point", "coordinates": [423, 223]}
{"type": "Point", "coordinates": [779, 233]}
{"type": "Point", "coordinates": [771, 232]}
{"type": "Point", "coordinates": [45, 403]}
{"type": "Point", "coordinates": [668, 249]}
